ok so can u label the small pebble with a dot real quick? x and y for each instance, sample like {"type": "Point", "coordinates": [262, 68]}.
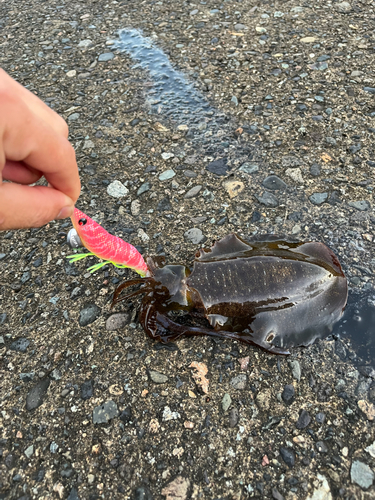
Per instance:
{"type": "Point", "coordinates": [56, 374]}
{"type": "Point", "coordinates": [194, 235]}
{"type": "Point", "coordinates": [126, 415]}
{"type": "Point", "coordinates": [168, 174]}
{"type": "Point", "coordinates": [315, 170]}
{"type": "Point", "coordinates": [290, 161]}
{"type": "Point", "coordinates": [233, 417]}
{"type": "Point", "coordinates": [343, 7]}
{"type": "Point", "coordinates": [164, 205]}
{"type": "Point", "coordinates": [29, 451]}
{"type": "Point", "coordinates": [367, 408]}
{"type": "Point", "coordinates": [361, 205]}
{"type": "Point", "coordinates": [84, 44]}
{"type": "Point", "coordinates": [320, 418]}
{"type": "Point", "coordinates": [295, 174]}
{"type": "Point", "coordinates": [288, 394]}
{"type": "Point", "coordinates": [88, 144]}
{"type": "Point", "coordinates": [244, 362]}
{"type": "Point", "coordinates": [218, 167]}
{"type": "Point", "coordinates": [288, 456]}
{"type": "Point", "coordinates": [142, 493]}
{"type": "Point", "coordinates": [73, 495]}
{"type": "Point", "coordinates": [268, 199]}
{"type": "Point", "coordinates": [322, 491]}
{"type": "Point", "coordinates": [263, 400]}
{"type": "Point", "coordinates": [89, 314]}
{"type": "Point", "coordinates": [117, 321]}
{"type": "Point", "coordinates": [35, 396]}
{"type": "Point", "coordinates": [158, 378]}
{"type": "Point", "coordinates": [107, 56]}
{"type": "Point", "coordinates": [190, 174]}
{"type": "Point", "coordinates": [274, 182]}
{"type": "Point", "coordinates": [371, 449]}
{"type": "Point", "coordinates": [53, 447]}
{"type": "Point", "coordinates": [176, 489]}
{"type": "Point", "coordinates": [226, 402]}
{"type": "Point", "coordinates": [249, 168]}
{"type": "Point", "coordinates": [321, 447]}
{"type": "Point", "coordinates": [146, 186]}
{"type": "Point", "coordinates": [168, 414]}
{"type": "Point", "coordinates": [117, 189]}
{"type": "Point", "coordinates": [26, 377]}
{"type": "Point", "coordinates": [167, 156]}
{"type": "Point", "coordinates": [87, 390]}
{"type": "Point", "coordinates": [20, 345]}
{"type": "Point", "coordinates": [143, 235]}
{"type": "Point", "coordinates": [239, 382]}
{"type": "Point", "coordinates": [318, 198]}
{"type": "Point", "coordinates": [276, 495]}
{"type": "Point", "coordinates": [192, 192]}
{"type": "Point", "coordinates": [234, 188]}
{"type": "Point", "coordinates": [135, 208]}
{"type": "Point", "coordinates": [303, 420]}
{"type": "Point", "coordinates": [361, 474]}
{"type": "Point", "coordinates": [295, 369]}
{"type": "Point", "coordinates": [104, 413]}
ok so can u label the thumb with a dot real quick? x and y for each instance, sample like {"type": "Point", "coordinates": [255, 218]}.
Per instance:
{"type": "Point", "coordinates": [31, 206]}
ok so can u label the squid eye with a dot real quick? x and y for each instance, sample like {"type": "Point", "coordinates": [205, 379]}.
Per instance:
{"type": "Point", "coordinates": [82, 222]}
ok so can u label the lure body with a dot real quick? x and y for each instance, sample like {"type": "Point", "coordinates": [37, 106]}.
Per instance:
{"type": "Point", "coordinates": [104, 245]}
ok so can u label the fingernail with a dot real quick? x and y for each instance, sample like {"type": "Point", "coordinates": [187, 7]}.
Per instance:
{"type": "Point", "coordinates": [65, 212]}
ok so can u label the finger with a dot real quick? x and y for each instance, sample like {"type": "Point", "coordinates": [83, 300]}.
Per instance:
{"type": "Point", "coordinates": [31, 206]}
{"type": "Point", "coordinates": [34, 103]}
{"type": "Point", "coordinates": [18, 172]}
{"type": "Point", "coordinates": [29, 139]}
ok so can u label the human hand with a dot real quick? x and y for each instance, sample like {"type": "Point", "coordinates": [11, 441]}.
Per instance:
{"type": "Point", "coordinates": [33, 144]}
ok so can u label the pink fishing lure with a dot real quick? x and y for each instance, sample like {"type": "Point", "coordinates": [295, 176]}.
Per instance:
{"type": "Point", "coordinates": [100, 243]}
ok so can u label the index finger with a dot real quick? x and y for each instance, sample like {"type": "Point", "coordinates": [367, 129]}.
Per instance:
{"type": "Point", "coordinates": [28, 138]}
{"type": "Point", "coordinates": [34, 103]}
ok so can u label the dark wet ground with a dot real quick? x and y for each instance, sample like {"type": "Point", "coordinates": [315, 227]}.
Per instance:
{"type": "Point", "coordinates": [358, 325]}
{"type": "Point", "coordinates": [277, 138]}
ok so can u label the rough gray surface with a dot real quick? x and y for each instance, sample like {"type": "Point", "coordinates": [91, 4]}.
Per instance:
{"type": "Point", "coordinates": [288, 85]}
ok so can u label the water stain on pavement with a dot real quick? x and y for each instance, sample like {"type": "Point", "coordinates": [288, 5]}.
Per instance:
{"type": "Point", "coordinates": [171, 94]}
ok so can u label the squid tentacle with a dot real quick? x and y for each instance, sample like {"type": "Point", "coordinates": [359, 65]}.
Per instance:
{"type": "Point", "coordinates": [127, 284]}
{"type": "Point", "coordinates": [128, 296]}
